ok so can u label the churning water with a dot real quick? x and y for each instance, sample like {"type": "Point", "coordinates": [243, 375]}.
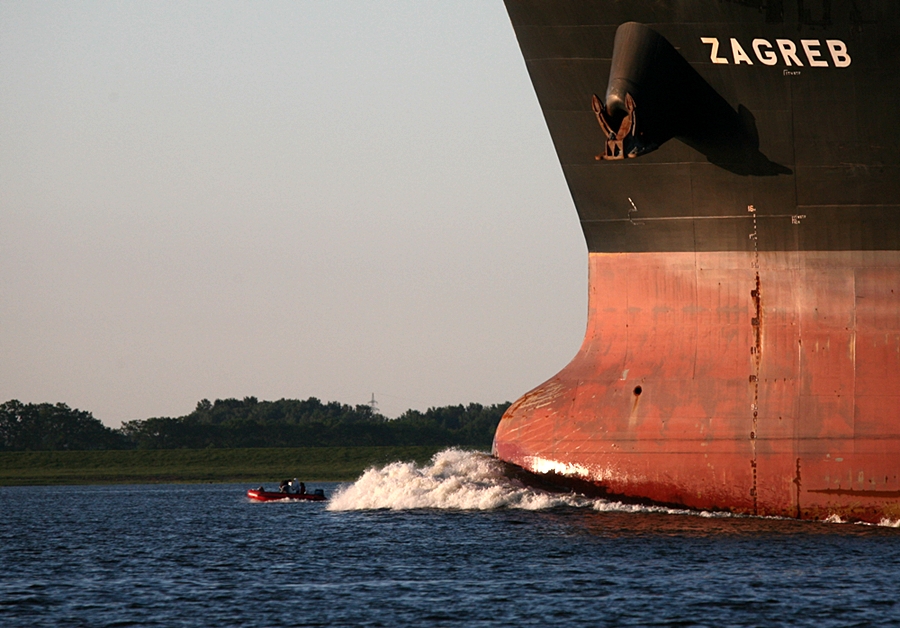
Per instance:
{"type": "Point", "coordinates": [454, 542]}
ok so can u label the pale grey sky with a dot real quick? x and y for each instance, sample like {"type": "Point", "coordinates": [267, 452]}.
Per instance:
{"type": "Point", "coordinates": [277, 199]}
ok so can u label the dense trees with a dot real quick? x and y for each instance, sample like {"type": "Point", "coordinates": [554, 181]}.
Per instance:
{"type": "Point", "coordinates": [48, 426]}
{"type": "Point", "coordinates": [249, 423]}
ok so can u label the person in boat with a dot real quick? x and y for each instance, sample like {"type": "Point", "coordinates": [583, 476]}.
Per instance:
{"type": "Point", "coordinates": [297, 487]}
{"type": "Point", "coordinates": [285, 486]}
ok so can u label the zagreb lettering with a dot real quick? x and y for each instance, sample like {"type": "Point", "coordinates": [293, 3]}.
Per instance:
{"type": "Point", "coordinates": [809, 52]}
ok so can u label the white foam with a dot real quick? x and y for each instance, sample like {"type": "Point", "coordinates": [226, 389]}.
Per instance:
{"type": "Point", "coordinates": [606, 506]}
{"type": "Point", "coordinates": [455, 480]}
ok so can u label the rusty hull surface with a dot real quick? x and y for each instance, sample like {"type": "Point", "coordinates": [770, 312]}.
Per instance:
{"type": "Point", "coordinates": [707, 382]}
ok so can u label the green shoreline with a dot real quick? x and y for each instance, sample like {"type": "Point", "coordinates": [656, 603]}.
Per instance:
{"type": "Point", "coordinates": [143, 466]}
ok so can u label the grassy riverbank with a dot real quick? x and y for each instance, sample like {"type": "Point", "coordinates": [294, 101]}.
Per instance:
{"type": "Point", "coordinates": [311, 464]}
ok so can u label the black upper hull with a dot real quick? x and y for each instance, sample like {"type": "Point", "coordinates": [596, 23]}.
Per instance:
{"type": "Point", "coordinates": [825, 174]}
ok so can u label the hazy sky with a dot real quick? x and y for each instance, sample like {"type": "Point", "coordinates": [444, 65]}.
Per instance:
{"type": "Point", "coordinates": [277, 199]}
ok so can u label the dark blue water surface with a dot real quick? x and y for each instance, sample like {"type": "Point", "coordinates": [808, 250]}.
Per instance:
{"type": "Point", "coordinates": [202, 555]}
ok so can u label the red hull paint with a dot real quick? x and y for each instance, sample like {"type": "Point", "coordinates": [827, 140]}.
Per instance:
{"type": "Point", "coordinates": [272, 496]}
{"type": "Point", "coordinates": [761, 383]}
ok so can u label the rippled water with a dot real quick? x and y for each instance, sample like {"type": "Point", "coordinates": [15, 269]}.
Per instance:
{"type": "Point", "coordinates": [454, 542]}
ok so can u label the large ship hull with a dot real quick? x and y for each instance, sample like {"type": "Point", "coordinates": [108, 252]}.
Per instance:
{"type": "Point", "coordinates": [742, 350]}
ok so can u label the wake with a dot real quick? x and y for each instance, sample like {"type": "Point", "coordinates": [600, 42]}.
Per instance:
{"type": "Point", "coordinates": [462, 480]}
{"type": "Point", "coordinates": [456, 479]}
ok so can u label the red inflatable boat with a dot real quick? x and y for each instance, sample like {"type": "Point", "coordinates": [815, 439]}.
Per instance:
{"type": "Point", "coordinates": [318, 495]}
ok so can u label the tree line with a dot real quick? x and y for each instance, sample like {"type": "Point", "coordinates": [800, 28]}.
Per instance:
{"type": "Point", "coordinates": [248, 422]}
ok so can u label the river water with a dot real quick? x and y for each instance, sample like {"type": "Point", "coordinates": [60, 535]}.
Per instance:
{"type": "Point", "coordinates": [454, 542]}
